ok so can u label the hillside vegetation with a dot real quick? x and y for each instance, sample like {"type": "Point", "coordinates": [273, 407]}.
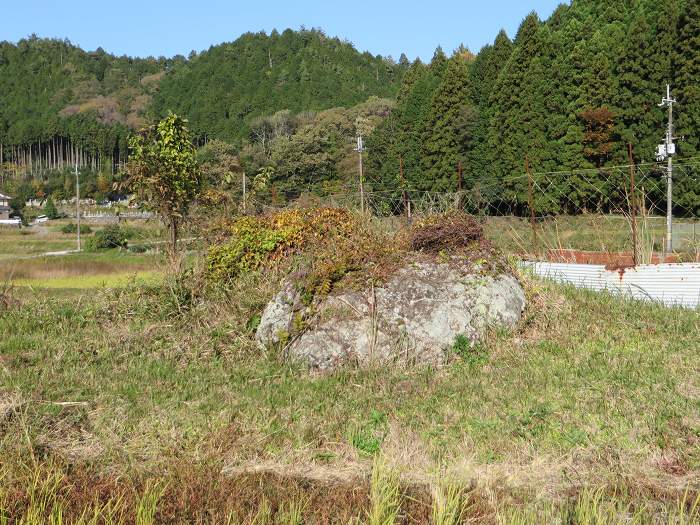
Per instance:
{"type": "Point", "coordinates": [60, 104]}
{"type": "Point", "coordinates": [569, 92]}
{"type": "Point", "coordinates": [223, 88]}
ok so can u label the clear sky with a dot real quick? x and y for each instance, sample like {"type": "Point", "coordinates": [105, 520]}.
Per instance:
{"type": "Point", "coordinates": [170, 27]}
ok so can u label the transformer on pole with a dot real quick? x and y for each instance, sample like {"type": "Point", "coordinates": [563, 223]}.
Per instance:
{"type": "Point", "coordinates": [666, 151]}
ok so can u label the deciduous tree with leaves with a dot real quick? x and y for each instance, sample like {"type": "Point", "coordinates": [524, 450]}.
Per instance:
{"type": "Point", "coordinates": [163, 171]}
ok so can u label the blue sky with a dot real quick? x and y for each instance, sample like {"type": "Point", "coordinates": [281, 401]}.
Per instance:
{"type": "Point", "coordinates": [170, 27]}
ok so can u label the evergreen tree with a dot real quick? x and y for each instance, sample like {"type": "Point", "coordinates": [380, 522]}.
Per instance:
{"type": "Point", "coordinates": [686, 68]}
{"type": "Point", "coordinates": [485, 71]}
{"type": "Point", "coordinates": [640, 120]}
{"type": "Point", "coordinates": [449, 128]}
{"type": "Point", "coordinates": [517, 124]}
{"type": "Point", "coordinates": [227, 86]}
{"type": "Point", "coordinates": [439, 61]}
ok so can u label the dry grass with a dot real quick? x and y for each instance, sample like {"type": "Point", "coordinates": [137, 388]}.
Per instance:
{"type": "Point", "coordinates": [587, 412]}
{"type": "Point", "coordinates": [449, 232]}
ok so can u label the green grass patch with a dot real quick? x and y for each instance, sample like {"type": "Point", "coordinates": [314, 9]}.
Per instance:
{"type": "Point", "coordinates": [114, 280]}
{"type": "Point", "coordinates": [590, 386]}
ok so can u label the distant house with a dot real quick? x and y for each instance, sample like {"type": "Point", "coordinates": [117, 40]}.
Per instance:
{"type": "Point", "coordinates": [4, 207]}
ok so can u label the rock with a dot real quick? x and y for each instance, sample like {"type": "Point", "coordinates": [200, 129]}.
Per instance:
{"type": "Point", "coordinates": [414, 317]}
{"type": "Point", "coordinates": [278, 316]}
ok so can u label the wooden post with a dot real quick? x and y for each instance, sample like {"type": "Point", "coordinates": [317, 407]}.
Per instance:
{"type": "Point", "coordinates": [531, 203]}
{"type": "Point", "coordinates": [459, 185]}
{"type": "Point", "coordinates": [633, 207]}
{"type": "Point", "coordinates": [403, 189]}
{"type": "Point", "coordinates": [362, 185]}
{"type": "Point", "coordinates": [77, 204]}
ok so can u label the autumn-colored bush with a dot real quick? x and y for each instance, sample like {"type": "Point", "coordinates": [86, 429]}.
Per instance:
{"type": "Point", "coordinates": [331, 247]}
{"type": "Point", "coordinates": [251, 242]}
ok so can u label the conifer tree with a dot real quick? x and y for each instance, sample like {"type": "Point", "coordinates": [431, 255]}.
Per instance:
{"type": "Point", "coordinates": [485, 70]}
{"type": "Point", "coordinates": [640, 120]}
{"type": "Point", "coordinates": [516, 126]}
{"type": "Point", "coordinates": [449, 127]}
{"type": "Point", "coordinates": [50, 209]}
{"type": "Point", "coordinates": [401, 136]}
{"type": "Point", "coordinates": [686, 68]}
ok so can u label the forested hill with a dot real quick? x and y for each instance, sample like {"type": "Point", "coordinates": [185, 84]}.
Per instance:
{"type": "Point", "coordinates": [258, 74]}
{"type": "Point", "coordinates": [60, 104]}
{"type": "Point", "coordinates": [569, 92]}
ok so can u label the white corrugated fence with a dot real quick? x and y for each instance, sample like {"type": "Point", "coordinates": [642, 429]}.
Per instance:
{"type": "Point", "coordinates": [676, 284]}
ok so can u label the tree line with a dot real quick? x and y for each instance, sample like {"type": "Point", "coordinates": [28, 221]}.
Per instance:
{"type": "Point", "coordinates": [566, 93]}
{"type": "Point", "coordinates": [569, 93]}
{"type": "Point", "coordinates": [61, 105]}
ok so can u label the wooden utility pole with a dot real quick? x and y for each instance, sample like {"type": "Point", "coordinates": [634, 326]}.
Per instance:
{"type": "Point", "coordinates": [633, 207]}
{"type": "Point", "coordinates": [404, 195]}
{"type": "Point", "coordinates": [531, 203]}
{"type": "Point", "coordinates": [459, 186]}
{"type": "Point", "coordinates": [77, 203]}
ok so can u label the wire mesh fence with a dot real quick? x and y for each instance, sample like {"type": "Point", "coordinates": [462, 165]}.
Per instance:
{"type": "Point", "coordinates": [582, 215]}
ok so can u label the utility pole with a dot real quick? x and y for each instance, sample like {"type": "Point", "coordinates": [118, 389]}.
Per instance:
{"type": "Point", "coordinates": [404, 195]}
{"type": "Point", "coordinates": [77, 202]}
{"type": "Point", "coordinates": [360, 148]}
{"type": "Point", "coordinates": [666, 151]}
{"type": "Point", "coordinates": [633, 207]}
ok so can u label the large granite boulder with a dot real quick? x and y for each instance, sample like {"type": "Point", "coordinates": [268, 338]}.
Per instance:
{"type": "Point", "coordinates": [415, 316]}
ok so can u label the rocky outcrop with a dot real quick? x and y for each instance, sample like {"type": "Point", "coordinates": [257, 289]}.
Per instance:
{"type": "Point", "coordinates": [414, 317]}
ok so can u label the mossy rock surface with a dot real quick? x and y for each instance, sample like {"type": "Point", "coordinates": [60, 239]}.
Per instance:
{"type": "Point", "coordinates": [414, 317]}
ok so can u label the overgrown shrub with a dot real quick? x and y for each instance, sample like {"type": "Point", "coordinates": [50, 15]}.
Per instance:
{"type": "Point", "coordinates": [112, 236]}
{"type": "Point", "coordinates": [324, 245]}
{"type": "Point", "coordinates": [138, 248]}
{"type": "Point", "coordinates": [457, 237]}
{"type": "Point", "coordinates": [254, 241]}
{"type": "Point", "coordinates": [71, 227]}
{"type": "Point", "coordinates": [328, 247]}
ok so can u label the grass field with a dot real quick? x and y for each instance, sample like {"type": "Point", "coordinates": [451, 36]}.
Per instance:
{"type": "Point", "coordinates": [23, 264]}
{"type": "Point", "coordinates": [132, 395]}
{"type": "Point", "coordinates": [35, 240]}
{"type": "Point", "coordinates": [604, 233]}
{"type": "Point", "coordinates": [594, 398]}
